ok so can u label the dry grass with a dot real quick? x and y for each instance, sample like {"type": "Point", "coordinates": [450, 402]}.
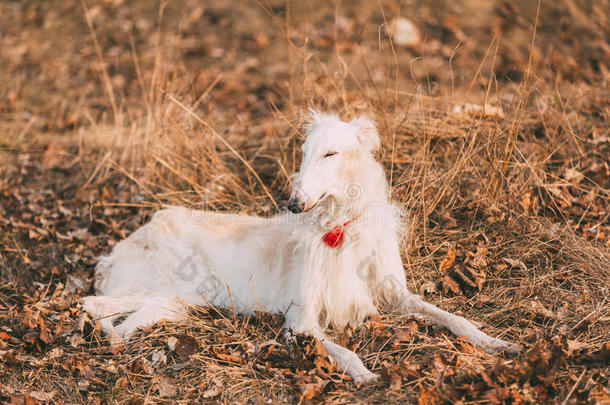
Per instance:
{"type": "Point", "coordinates": [189, 104]}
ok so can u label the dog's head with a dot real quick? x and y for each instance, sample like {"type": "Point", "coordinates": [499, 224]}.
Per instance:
{"type": "Point", "coordinates": [335, 157]}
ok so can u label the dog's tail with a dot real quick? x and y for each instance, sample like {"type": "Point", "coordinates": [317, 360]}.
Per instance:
{"type": "Point", "coordinates": [123, 315]}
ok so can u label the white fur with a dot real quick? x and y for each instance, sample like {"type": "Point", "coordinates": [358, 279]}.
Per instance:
{"type": "Point", "coordinates": [279, 264]}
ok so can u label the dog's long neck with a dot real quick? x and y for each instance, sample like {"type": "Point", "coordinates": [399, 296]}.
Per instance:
{"type": "Point", "coordinates": [341, 294]}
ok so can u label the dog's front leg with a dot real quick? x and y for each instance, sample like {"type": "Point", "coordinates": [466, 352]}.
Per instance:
{"type": "Point", "coordinates": [414, 305]}
{"type": "Point", "coordinates": [345, 359]}
{"type": "Point", "coordinates": [349, 362]}
{"type": "Point", "coordinates": [393, 288]}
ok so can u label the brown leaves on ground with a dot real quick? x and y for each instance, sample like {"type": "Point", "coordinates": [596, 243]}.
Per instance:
{"type": "Point", "coordinates": [184, 346]}
{"type": "Point", "coordinates": [448, 260]}
{"type": "Point", "coordinates": [464, 271]}
{"type": "Point", "coordinates": [533, 378]}
{"type": "Point", "coordinates": [44, 329]}
{"type": "Point", "coordinates": [512, 180]}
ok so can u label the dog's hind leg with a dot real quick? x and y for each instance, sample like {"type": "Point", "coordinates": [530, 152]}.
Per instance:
{"type": "Point", "coordinates": [136, 311]}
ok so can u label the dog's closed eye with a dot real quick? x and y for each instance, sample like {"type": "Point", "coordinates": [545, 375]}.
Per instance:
{"type": "Point", "coordinates": [329, 154]}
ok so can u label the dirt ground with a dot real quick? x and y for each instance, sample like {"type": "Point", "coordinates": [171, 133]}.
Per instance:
{"type": "Point", "coordinates": [494, 118]}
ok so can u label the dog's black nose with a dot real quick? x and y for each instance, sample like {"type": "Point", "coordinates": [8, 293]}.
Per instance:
{"type": "Point", "coordinates": [296, 202]}
{"type": "Point", "coordinates": [295, 207]}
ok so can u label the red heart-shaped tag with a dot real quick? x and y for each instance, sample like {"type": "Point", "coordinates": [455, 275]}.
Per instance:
{"type": "Point", "coordinates": [333, 237]}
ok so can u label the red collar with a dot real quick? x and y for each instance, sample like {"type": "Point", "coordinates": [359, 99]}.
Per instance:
{"type": "Point", "coordinates": [334, 237]}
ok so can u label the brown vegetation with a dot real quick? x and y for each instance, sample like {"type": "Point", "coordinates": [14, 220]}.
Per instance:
{"type": "Point", "coordinates": [494, 122]}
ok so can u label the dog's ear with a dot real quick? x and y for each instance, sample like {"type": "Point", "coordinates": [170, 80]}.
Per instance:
{"type": "Point", "coordinates": [367, 133]}
{"type": "Point", "coordinates": [312, 119]}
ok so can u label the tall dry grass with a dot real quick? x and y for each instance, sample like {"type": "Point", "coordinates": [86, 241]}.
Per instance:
{"type": "Point", "coordinates": [493, 140]}
{"type": "Point", "coordinates": [449, 163]}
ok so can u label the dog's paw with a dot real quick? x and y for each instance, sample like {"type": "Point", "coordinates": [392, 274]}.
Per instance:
{"type": "Point", "coordinates": [499, 345]}
{"type": "Point", "coordinates": [366, 378]}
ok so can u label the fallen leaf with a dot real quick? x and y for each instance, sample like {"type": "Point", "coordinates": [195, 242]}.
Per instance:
{"type": "Point", "coordinates": [121, 382]}
{"type": "Point", "coordinates": [448, 260]}
{"type": "Point", "coordinates": [470, 276]}
{"type": "Point", "coordinates": [42, 395]}
{"type": "Point", "coordinates": [486, 110]}
{"type": "Point", "coordinates": [52, 155]}
{"type": "Point", "coordinates": [599, 395]}
{"type": "Point", "coordinates": [171, 343]}
{"type": "Point", "coordinates": [83, 385]}
{"type": "Point", "coordinates": [76, 340]}
{"type": "Point", "coordinates": [404, 32]}
{"type": "Point", "coordinates": [158, 357]}
{"type": "Point", "coordinates": [28, 400]}
{"type": "Point", "coordinates": [528, 202]}
{"type": "Point", "coordinates": [446, 365]}
{"type": "Point", "coordinates": [164, 387]}
{"type": "Point", "coordinates": [447, 221]}
{"type": "Point", "coordinates": [573, 176]}
{"type": "Point", "coordinates": [538, 309]}
{"type": "Point", "coordinates": [478, 259]}
{"type": "Point", "coordinates": [400, 339]}
{"type": "Point", "coordinates": [496, 395]}
{"type": "Point", "coordinates": [211, 393]}
{"type": "Point", "coordinates": [311, 391]}
{"type": "Point", "coordinates": [223, 354]}
{"type": "Point", "coordinates": [375, 325]}
{"type": "Point", "coordinates": [450, 284]}
{"type": "Point", "coordinates": [427, 397]}
{"type": "Point", "coordinates": [185, 346]}
{"type": "Point", "coordinates": [429, 287]}
{"type": "Point", "coordinates": [574, 345]}
{"type": "Point", "coordinates": [515, 263]}
{"type": "Point", "coordinates": [602, 355]}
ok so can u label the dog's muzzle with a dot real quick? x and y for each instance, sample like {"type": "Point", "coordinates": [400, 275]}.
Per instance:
{"type": "Point", "coordinates": [296, 203]}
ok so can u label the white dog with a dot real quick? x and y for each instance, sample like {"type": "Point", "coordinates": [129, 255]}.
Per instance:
{"type": "Point", "coordinates": [332, 260]}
